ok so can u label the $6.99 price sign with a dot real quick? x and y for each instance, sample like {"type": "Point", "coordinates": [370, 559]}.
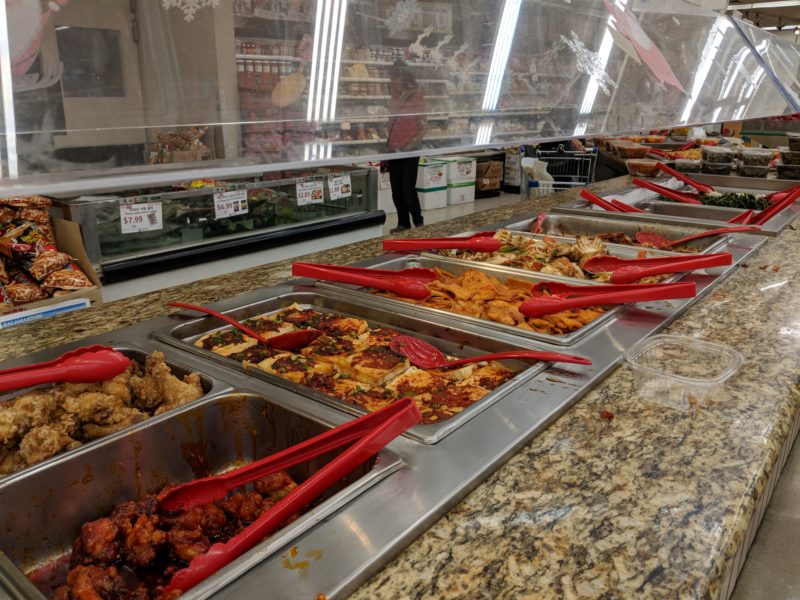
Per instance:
{"type": "Point", "coordinates": [230, 204]}
{"type": "Point", "coordinates": [135, 218]}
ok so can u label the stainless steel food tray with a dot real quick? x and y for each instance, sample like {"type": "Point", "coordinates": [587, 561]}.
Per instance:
{"type": "Point", "coordinates": [575, 225]}
{"type": "Point", "coordinates": [662, 211]}
{"type": "Point", "coordinates": [205, 438]}
{"type": "Point", "coordinates": [457, 266]}
{"type": "Point", "coordinates": [450, 339]}
{"type": "Point", "coordinates": [179, 369]}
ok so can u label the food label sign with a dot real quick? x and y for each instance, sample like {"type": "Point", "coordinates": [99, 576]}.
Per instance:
{"type": "Point", "coordinates": [310, 192]}
{"type": "Point", "coordinates": [136, 218]}
{"type": "Point", "coordinates": [340, 187]}
{"type": "Point", "coordinates": [230, 204]}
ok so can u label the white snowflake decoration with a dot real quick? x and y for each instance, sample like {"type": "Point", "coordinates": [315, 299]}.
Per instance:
{"type": "Point", "coordinates": [590, 63]}
{"type": "Point", "coordinates": [189, 7]}
{"type": "Point", "coordinates": [402, 16]}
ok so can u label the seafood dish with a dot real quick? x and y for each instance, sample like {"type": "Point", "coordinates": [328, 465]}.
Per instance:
{"type": "Point", "coordinates": [545, 255]}
{"type": "Point", "coordinates": [45, 422]}
{"type": "Point", "coordinates": [482, 296]}
{"type": "Point", "coordinates": [354, 363]}
{"type": "Point", "coordinates": [134, 552]}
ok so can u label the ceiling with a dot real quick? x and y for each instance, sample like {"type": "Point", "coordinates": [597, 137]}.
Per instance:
{"type": "Point", "coordinates": [763, 14]}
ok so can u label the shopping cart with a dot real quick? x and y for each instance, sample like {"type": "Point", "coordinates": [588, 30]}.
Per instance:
{"type": "Point", "coordinates": [569, 168]}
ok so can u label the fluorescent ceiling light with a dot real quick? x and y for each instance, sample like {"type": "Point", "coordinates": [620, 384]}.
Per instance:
{"type": "Point", "coordinates": [502, 48]}
{"type": "Point", "coordinates": [761, 5]}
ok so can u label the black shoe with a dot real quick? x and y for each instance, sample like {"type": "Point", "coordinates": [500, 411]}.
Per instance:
{"type": "Point", "coordinates": [420, 224]}
{"type": "Point", "coordinates": [399, 228]}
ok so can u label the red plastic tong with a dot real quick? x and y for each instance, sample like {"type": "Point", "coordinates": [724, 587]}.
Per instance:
{"type": "Point", "coordinates": [700, 187]}
{"type": "Point", "coordinates": [776, 207]}
{"type": "Point", "coordinates": [91, 364]}
{"type": "Point", "coordinates": [611, 206]}
{"type": "Point", "coordinates": [632, 270]}
{"type": "Point", "coordinates": [370, 432]}
{"type": "Point", "coordinates": [408, 283]}
{"type": "Point", "coordinates": [544, 305]}
{"type": "Point", "coordinates": [667, 192]}
{"type": "Point", "coordinates": [480, 242]}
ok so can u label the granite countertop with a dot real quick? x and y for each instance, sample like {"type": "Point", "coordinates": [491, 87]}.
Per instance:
{"type": "Point", "coordinates": [653, 503]}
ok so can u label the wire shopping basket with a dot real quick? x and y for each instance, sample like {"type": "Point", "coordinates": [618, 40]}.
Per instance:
{"type": "Point", "coordinates": [569, 168]}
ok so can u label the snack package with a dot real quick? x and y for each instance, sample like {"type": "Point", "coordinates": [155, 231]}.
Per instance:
{"type": "Point", "coordinates": [69, 278]}
{"type": "Point", "coordinates": [7, 214]}
{"type": "Point", "coordinates": [6, 303]}
{"type": "Point", "coordinates": [25, 242]}
{"type": "Point", "coordinates": [47, 262]}
{"type": "Point", "coordinates": [23, 288]}
{"type": "Point", "coordinates": [27, 201]}
{"type": "Point", "coordinates": [3, 273]}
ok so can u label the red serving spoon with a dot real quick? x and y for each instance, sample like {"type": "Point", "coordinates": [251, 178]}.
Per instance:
{"type": "Point", "coordinates": [537, 225]}
{"type": "Point", "coordinates": [598, 201]}
{"type": "Point", "coordinates": [285, 341]}
{"type": "Point", "coordinates": [372, 431]}
{"type": "Point", "coordinates": [407, 287]}
{"type": "Point", "coordinates": [426, 356]}
{"type": "Point", "coordinates": [545, 305]}
{"type": "Point", "coordinates": [606, 264]}
{"type": "Point", "coordinates": [623, 207]}
{"type": "Point", "coordinates": [85, 367]}
{"type": "Point", "coordinates": [476, 243]}
{"type": "Point", "coordinates": [700, 187]}
{"type": "Point", "coordinates": [776, 207]}
{"type": "Point", "coordinates": [666, 192]}
{"type": "Point", "coordinates": [659, 241]}
{"type": "Point", "coordinates": [743, 218]}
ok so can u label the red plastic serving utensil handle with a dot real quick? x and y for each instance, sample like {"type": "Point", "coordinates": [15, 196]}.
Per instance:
{"type": "Point", "coordinates": [55, 361]}
{"type": "Point", "coordinates": [743, 218]}
{"type": "Point", "coordinates": [598, 201]}
{"type": "Point", "coordinates": [623, 207]}
{"type": "Point", "coordinates": [523, 355]}
{"type": "Point", "coordinates": [209, 489]}
{"type": "Point", "coordinates": [476, 244]}
{"type": "Point", "coordinates": [665, 191]}
{"type": "Point", "coordinates": [658, 152]}
{"type": "Point", "coordinates": [700, 187]}
{"type": "Point", "coordinates": [537, 225]}
{"type": "Point", "coordinates": [408, 288]}
{"type": "Point", "coordinates": [602, 264]}
{"type": "Point", "coordinates": [776, 207]}
{"type": "Point", "coordinates": [632, 273]}
{"type": "Point", "coordinates": [712, 232]}
{"type": "Point", "coordinates": [567, 291]}
{"type": "Point", "coordinates": [536, 307]}
{"type": "Point", "coordinates": [85, 368]}
{"type": "Point", "coordinates": [219, 555]}
{"type": "Point", "coordinates": [413, 273]}
{"type": "Point", "coordinates": [686, 146]}
{"type": "Point", "coordinates": [776, 196]}
{"type": "Point", "coordinates": [230, 321]}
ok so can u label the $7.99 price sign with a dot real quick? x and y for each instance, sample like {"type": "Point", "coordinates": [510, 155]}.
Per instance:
{"type": "Point", "coordinates": [135, 218]}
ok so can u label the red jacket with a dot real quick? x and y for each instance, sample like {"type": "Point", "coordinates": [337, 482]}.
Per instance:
{"type": "Point", "coordinates": [407, 121]}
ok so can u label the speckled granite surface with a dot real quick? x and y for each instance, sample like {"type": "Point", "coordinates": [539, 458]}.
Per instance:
{"type": "Point", "coordinates": [652, 504]}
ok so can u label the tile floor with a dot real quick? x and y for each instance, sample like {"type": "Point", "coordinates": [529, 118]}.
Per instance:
{"type": "Point", "coordinates": [772, 568]}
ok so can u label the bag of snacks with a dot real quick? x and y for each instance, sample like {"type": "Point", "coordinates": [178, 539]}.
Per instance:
{"type": "Point", "coordinates": [5, 300]}
{"type": "Point", "coordinates": [7, 214]}
{"type": "Point", "coordinates": [46, 262]}
{"type": "Point", "coordinates": [69, 278]}
{"type": "Point", "coordinates": [27, 201]}
{"type": "Point", "coordinates": [23, 288]}
{"type": "Point", "coordinates": [3, 273]}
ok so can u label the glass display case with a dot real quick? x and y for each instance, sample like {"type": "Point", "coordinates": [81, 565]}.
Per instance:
{"type": "Point", "coordinates": [143, 227]}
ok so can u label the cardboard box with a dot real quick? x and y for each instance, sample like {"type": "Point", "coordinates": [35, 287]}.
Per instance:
{"type": "Point", "coordinates": [461, 193]}
{"type": "Point", "coordinates": [431, 199]}
{"type": "Point", "coordinates": [431, 175]}
{"type": "Point", "coordinates": [489, 169]}
{"type": "Point", "coordinates": [460, 169]}
{"type": "Point", "coordinates": [68, 240]}
{"type": "Point", "coordinates": [488, 183]}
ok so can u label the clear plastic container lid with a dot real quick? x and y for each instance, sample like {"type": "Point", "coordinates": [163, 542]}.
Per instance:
{"type": "Point", "coordinates": [718, 154]}
{"type": "Point", "coordinates": [678, 371]}
{"type": "Point", "coordinates": [755, 156]}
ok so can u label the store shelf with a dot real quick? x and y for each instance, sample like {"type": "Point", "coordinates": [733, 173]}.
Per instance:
{"type": "Point", "coordinates": [387, 97]}
{"type": "Point", "coordinates": [383, 63]}
{"type": "Point", "coordinates": [275, 17]}
{"type": "Point", "coordinates": [268, 57]}
{"type": "Point", "coordinates": [385, 80]}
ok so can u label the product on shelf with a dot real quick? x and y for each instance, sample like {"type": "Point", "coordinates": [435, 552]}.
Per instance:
{"type": "Point", "coordinates": [717, 154]}
{"type": "Point", "coordinates": [788, 171]}
{"type": "Point", "coordinates": [642, 168]}
{"type": "Point", "coordinates": [717, 168]}
{"type": "Point", "coordinates": [794, 141]}
{"type": "Point", "coordinates": [753, 170]}
{"type": "Point", "coordinates": [48, 421]}
{"type": "Point", "coordinates": [688, 165]}
{"type": "Point", "coordinates": [31, 266]}
{"type": "Point", "coordinates": [757, 157]}
{"type": "Point", "coordinates": [789, 157]}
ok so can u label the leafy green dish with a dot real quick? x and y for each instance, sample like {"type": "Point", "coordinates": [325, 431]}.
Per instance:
{"type": "Point", "coordinates": [741, 200]}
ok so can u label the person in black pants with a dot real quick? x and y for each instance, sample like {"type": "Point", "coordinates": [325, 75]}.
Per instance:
{"type": "Point", "coordinates": [406, 130]}
{"type": "Point", "coordinates": [403, 178]}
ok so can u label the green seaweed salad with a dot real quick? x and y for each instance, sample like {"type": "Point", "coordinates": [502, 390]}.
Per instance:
{"type": "Point", "coordinates": [741, 200]}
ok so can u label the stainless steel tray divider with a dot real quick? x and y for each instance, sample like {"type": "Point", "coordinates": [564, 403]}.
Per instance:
{"type": "Point", "coordinates": [231, 428]}
{"type": "Point", "coordinates": [184, 335]}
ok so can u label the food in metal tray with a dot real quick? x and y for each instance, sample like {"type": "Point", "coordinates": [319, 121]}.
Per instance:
{"type": "Point", "coordinates": [626, 240]}
{"type": "Point", "coordinates": [479, 295]}
{"type": "Point", "coordinates": [545, 255]}
{"type": "Point", "coordinates": [134, 552]}
{"type": "Point", "coordinates": [354, 363]}
{"type": "Point", "coordinates": [45, 422]}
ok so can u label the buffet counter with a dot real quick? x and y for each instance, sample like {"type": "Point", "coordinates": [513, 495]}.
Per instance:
{"type": "Point", "coordinates": [617, 498]}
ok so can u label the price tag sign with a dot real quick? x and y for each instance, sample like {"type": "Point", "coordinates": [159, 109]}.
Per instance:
{"type": "Point", "coordinates": [136, 218]}
{"type": "Point", "coordinates": [310, 192]}
{"type": "Point", "coordinates": [340, 187]}
{"type": "Point", "coordinates": [230, 204]}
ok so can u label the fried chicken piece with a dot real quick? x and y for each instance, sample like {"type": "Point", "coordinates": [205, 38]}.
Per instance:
{"type": "Point", "coordinates": [159, 389]}
{"type": "Point", "coordinates": [10, 460]}
{"type": "Point", "coordinates": [9, 424]}
{"type": "Point", "coordinates": [275, 486]}
{"type": "Point", "coordinates": [40, 443]}
{"type": "Point", "coordinates": [144, 541]}
{"type": "Point", "coordinates": [99, 541]}
{"type": "Point", "coordinates": [188, 543]}
{"type": "Point", "coordinates": [35, 409]}
{"type": "Point", "coordinates": [100, 583]}
{"type": "Point", "coordinates": [120, 386]}
{"type": "Point", "coordinates": [102, 414]}
{"type": "Point", "coordinates": [192, 531]}
{"type": "Point", "coordinates": [125, 515]}
{"type": "Point", "coordinates": [121, 420]}
{"type": "Point", "coordinates": [76, 389]}
{"type": "Point", "coordinates": [246, 506]}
